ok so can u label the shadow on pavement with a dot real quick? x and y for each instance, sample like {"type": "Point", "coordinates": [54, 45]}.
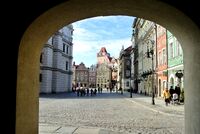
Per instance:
{"type": "Point", "coordinates": [73, 95]}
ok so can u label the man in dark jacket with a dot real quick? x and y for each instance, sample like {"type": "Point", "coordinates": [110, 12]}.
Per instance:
{"type": "Point", "coordinates": [171, 91]}
{"type": "Point", "coordinates": [178, 91]}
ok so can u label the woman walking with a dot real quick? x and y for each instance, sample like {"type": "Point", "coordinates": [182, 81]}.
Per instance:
{"type": "Point", "coordinates": [166, 96]}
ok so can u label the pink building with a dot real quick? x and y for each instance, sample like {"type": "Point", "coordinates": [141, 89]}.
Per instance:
{"type": "Point", "coordinates": [161, 60]}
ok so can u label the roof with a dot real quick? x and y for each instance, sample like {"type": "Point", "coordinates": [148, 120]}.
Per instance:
{"type": "Point", "coordinates": [103, 49]}
{"type": "Point", "coordinates": [128, 49]}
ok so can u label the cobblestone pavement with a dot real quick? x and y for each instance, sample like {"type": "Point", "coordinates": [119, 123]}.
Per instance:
{"type": "Point", "coordinates": [108, 113]}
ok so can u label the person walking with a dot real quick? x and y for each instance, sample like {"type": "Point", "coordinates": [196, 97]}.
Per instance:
{"type": "Point", "coordinates": [120, 89]}
{"type": "Point", "coordinates": [87, 91]}
{"type": "Point", "coordinates": [171, 91]}
{"type": "Point", "coordinates": [78, 91]}
{"type": "Point", "coordinates": [95, 91]}
{"type": "Point", "coordinates": [166, 96]}
{"type": "Point", "coordinates": [91, 92]}
{"type": "Point", "coordinates": [178, 91]}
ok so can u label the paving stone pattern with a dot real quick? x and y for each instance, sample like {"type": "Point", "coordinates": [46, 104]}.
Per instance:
{"type": "Point", "coordinates": [108, 113]}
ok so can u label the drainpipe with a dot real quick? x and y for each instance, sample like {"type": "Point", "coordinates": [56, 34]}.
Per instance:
{"type": "Point", "coordinates": [167, 57]}
{"type": "Point", "coordinates": [156, 75]}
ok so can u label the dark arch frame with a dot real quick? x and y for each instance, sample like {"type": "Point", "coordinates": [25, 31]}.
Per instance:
{"type": "Point", "coordinates": [31, 45]}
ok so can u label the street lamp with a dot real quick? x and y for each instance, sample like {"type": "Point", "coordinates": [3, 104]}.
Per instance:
{"type": "Point", "coordinates": [150, 54]}
{"type": "Point", "coordinates": [179, 74]}
{"type": "Point", "coordinates": [130, 86]}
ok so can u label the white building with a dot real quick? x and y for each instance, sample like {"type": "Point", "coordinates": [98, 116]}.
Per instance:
{"type": "Point", "coordinates": [56, 62]}
{"type": "Point", "coordinates": [145, 39]}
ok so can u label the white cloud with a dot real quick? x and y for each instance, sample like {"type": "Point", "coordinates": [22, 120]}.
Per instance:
{"type": "Point", "coordinates": [91, 34]}
{"type": "Point", "coordinates": [114, 46]}
{"type": "Point", "coordinates": [86, 51]}
{"type": "Point", "coordinates": [98, 28]}
{"type": "Point", "coordinates": [83, 46]}
{"type": "Point", "coordinates": [84, 34]}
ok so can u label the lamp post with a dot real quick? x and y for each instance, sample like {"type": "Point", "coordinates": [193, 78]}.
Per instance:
{"type": "Point", "coordinates": [150, 54]}
{"type": "Point", "coordinates": [131, 85]}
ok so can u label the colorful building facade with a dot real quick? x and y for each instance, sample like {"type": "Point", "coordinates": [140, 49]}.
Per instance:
{"type": "Point", "coordinates": [80, 76]}
{"type": "Point", "coordinates": [103, 75]}
{"type": "Point", "coordinates": [175, 61]}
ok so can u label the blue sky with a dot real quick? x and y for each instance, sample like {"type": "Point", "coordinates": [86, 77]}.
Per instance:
{"type": "Point", "coordinates": [91, 34]}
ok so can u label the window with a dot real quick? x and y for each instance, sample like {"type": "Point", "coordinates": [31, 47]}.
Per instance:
{"type": "Point", "coordinates": [52, 40]}
{"type": "Point", "coordinates": [67, 65]}
{"type": "Point", "coordinates": [64, 45]}
{"type": "Point", "coordinates": [164, 85]}
{"type": "Point", "coordinates": [40, 78]}
{"type": "Point", "coordinates": [67, 51]}
{"type": "Point", "coordinates": [178, 49]}
{"type": "Point", "coordinates": [164, 56]}
{"type": "Point", "coordinates": [127, 84]}
{"type": "Point", "coordinates": [171, 50]}
{"type": "Point", "coordinates": [127, 73]}
{"type": "Point", "coordinates": [159, 57]}
{"type": "Point", "coordinates": [41, 58]}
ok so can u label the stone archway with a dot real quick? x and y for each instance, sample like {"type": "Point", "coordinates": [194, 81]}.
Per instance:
{"type": "Point", "coordinates": [44, 26]}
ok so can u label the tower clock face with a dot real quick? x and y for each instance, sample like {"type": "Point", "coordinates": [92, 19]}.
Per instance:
{"type": "Point", "coordinates": [128, 62]}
